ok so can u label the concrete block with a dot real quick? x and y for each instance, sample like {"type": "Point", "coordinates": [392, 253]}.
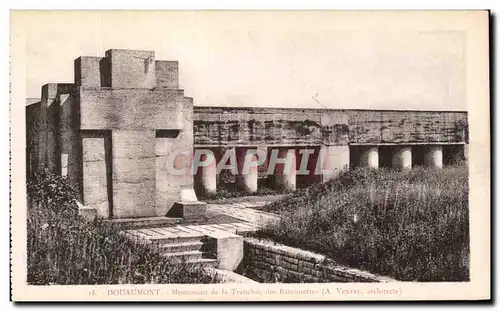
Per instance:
{"type": "Point", "coordinates": [165, 199]}
{"type": "Point", "coordinates": [133, 144]}
{"type": "Point", "coordinates": [87, 71]}
{"type": "Point", "coordinates": [172, 187]}
{"type": "Point", "coordinates": [133, 170]}
{"type": "Point", "coordinates": [132, 68]}
{"type": "Point", "coordinates": [134, 109]}
{"type": "Point", "coordinates": [228, 248]}
{"type": "Point", "coordinates": [133, 174]}
{"type": "Point", "coordinates": [167, 74]}
{"type": "Point", "coordinates": [189, 211]}
{"type": "Point", "coordinates": [94, 182]}
{"type": "Point", "coordinates": [131, 200]}
{"type": "Point", "coordinates": [49, 91]}
{"type": "Point", "coordinates": [188, 195]}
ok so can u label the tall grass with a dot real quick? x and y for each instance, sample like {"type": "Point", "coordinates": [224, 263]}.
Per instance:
{"type": "Point", "coordinates": [63, 248]}
{"type": "Point", "coordinates": [411, 225]}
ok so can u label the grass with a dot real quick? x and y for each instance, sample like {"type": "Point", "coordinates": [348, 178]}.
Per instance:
{"type": "Point", "coordinates": [63, 248]}
{"type": "Point", "coordinates": [409, 225]}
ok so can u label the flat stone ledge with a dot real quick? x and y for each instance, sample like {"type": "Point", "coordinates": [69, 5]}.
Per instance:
{"type": "Point", "coordinates": [189, 211]}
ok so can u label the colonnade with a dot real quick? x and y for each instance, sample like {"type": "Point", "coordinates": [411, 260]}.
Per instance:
{"type": "Point", "coordinates": [402, 156]}
{"type": "Point", "coordinates": [283, 164]}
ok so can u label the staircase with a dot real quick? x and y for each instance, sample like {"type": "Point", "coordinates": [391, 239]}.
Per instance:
{"type": "Point", "coordinates": [188, 249]}
{"type": "Point", "coordinates": [194, 244]}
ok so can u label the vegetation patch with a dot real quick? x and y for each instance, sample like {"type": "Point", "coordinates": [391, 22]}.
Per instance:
{"type": "Point", "coordinates": [409, 225]}
{"type": "Point", "coordinates": [63, 248]}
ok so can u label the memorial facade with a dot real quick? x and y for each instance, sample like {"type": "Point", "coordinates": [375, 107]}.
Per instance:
{"type": "Point", "coordinates": [133, 145]}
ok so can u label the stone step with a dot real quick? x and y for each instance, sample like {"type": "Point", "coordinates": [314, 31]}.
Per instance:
{"type": "Point", "coordinates": [181, 247]}
{"type": "Point", "coordinates": [168, 240]}
{"type": "Point", "coordinates": [189, 256]}
{"type": "Point", "coordinates": [144, 222]}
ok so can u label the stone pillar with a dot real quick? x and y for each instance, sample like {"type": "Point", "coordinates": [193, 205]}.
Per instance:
{"type": "Point", "coordinates": [95, 180]}
{"type": "Point", "coordinates": [134, 173]}
{"type": "Point", "coordinates": [331, 161]}
{"type": "Point", "coordinates": [401, 158]}
{"type": "Point", "coordinates": [284, 179]}
{"type": "Point", "coordinates": [247, 169]}
{"type": "Point", "coordinates": [208, 174]}
{"type": "Point", "coordinates": [369, 157]}
{"type": "Point", "coordinates": [434, 156]}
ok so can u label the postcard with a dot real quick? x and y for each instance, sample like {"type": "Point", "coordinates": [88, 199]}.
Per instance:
{"type": "Point", "coordinates": [250, 155]}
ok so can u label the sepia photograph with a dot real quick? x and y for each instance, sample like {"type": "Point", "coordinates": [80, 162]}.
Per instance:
{"type": "Point", "coordinates": [250, 155]}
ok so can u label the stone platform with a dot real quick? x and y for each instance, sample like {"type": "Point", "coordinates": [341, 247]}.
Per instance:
{"type": "Point", "coordinates": [215, 242]}
{"type": "Point", "coordinates": [217, 245]}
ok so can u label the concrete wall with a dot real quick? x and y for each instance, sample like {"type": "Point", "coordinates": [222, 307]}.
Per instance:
{"type": "Point", "coordinates": [268, 262]}
{"type": "Point", "coordinates": [259, 126]}
{"type": "Point", "coordinates": [133, 109]}
{"type": "Point", "coordinates": [374, 127]}
{"type": "Point", "coordinates": [48, 131]}
{"type": "Point", "coordinates": [250, 126]}
{"type": "Point", "coordinates": [142, 185]}
{"type": "Point", "coordinates": [52, 135]}
{"type": "Point", "coordinates": [42, 128]}
{"type": "Point", "coordinates": [33, 128]}
{"type": "Point", "coordinates": [69, 139]}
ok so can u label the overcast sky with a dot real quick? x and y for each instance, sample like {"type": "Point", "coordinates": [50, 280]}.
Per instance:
{"type": "Point", "coordinates": [301, 59]}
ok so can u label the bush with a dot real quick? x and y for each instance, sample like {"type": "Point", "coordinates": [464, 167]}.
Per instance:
{"type": "Point", "coordinates": [411, 225]}
{"type": "Point", "coordinates": [64, 248]}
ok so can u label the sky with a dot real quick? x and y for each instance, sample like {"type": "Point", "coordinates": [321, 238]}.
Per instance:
{"type": "Point", "coordinates": [266, 59]}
